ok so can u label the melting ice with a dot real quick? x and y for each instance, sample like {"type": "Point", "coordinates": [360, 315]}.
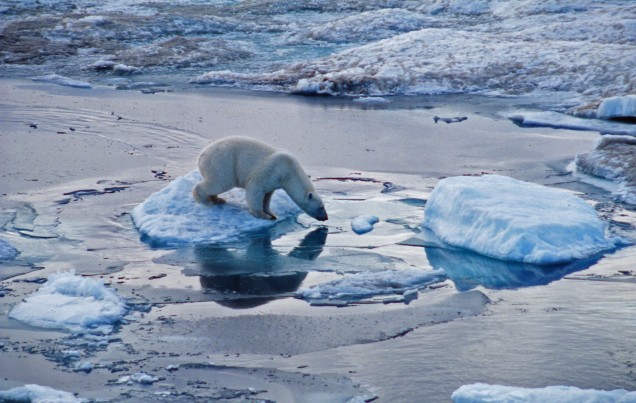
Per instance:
{"type": "Point", "coordinates": [511, 220]}
{"type": "Point", "coordinates": [7, 251]}
{"type": "Point", "coordinates": [479, 392]}
{"type": "Point", "coordinates": [37, 394]}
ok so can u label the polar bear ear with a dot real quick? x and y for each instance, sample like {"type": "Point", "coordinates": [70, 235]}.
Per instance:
{"type": "Point", "coordinates": [310, 196]}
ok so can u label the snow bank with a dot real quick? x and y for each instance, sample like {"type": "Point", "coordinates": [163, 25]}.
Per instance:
{"type": "Point", "coordinates": [512, 220]}
{"type": "Point", "coordinates": [363, 224]}
{"type": "Point", "coordinates": [369, 284]}
{"type": "Point", "coordinates": [617, 107]}
{"type": "Point", "coordinates": [172, 216]}
{"type": "Point", "coordinates": [37, 394]}
{"type": "Point", "coordinates": [612, 159]}
{"type": "Point", "coordinates": [480, 392]}
{"type": "Point", "coordinates": [61, 80]}
{"type": "Point", "coordinates": [7, 251]}
{"type": "Point", "coordinates": [71, 302]}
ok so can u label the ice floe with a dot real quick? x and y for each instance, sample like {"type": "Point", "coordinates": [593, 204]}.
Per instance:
{"type": "Point", "coordinates": [511, 220]}
{"type": "Point", "coordinates": [481, 393]}
{"type": "Point", "coordinates": [138, 377]}
{"type": "Point", "coordinates": [75, 303]}
{"type": "Point", "coordinates": [61, 80]}
{"type": "Point", "coordinates": [7, 251]}
{"type": "Point", "coordinates": [171, 216]}
{"type": "Point", "coordinates": [614, 159]}
{"type": "Point", "coordinates": [364, 223]}
{"type": "Point", "coordinates": [369, 284]}
{"type": "Point", "coordinates": [37, 394]}
{"type": "Point", "coordinates": [617, 108]}
{"type": "Point", "coordinates": [562, 121]}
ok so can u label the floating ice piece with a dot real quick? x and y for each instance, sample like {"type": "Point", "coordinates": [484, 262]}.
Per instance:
{"type": "Point", "coordinates": [363, 224]}
{"type": "Point", "coordinates": [617, 107]}
{"type": "Point", "coordinates": [369, 284]}
{"type": "Point", "coordinates": [71, 302]}
{"type": "Point", "coordinates": [562, 121]}
{"type": "Point", "coordinates": [479, 393]}
{"type": "Point", "coordinates": [7, 251]}
{"type": "Point", "coordinates": [37, 394]}
{"type": "Point", "coordinates": [61, 80]}
{"type": "Point", "coordinates": [138, 377]}
{"type": "Point", "coordinates": [612, 159]}
{"type": "Point", "coordinates": [172, 216]}
{"type": "Point", "coordinates": [512, 220]}
{"type": "Point", "coordinates": [371, 100]}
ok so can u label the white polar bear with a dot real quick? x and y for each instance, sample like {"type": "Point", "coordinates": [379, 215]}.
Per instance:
{"type": "Point", "coordinates": [259, 169]}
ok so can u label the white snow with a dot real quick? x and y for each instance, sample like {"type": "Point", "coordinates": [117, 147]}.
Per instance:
{"type": "Point", "coordinates": [37, 394]}
{"type": "Point", "coordinates": [76, 303]}
{"type": "Point", "coordinates": [507, 219]}
{"type": "Point", "coordinates": [363, 223]}
{"type": "Point", "coordinates": [61, 80]}
{"type": "Point", "coordinates": [612, 159]}
{"type": "Point", "coordinates": [7, 251]}
{"type": "Point", "coordinates": [617, 107]}
{"type": "Point", "coordinates": [368, 284]}
{"type": "Point", "coordinates": [172, 216]}
{"type": "Point", "coordinates": [482, 393]}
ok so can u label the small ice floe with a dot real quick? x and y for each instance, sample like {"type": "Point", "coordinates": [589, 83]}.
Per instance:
{"type": "Point", "coordinates": [455, 119]}
{"type": "Point", "coordinates": [511, 220]}
{"type": "Point", "coordinates": [37, 394]}
{"type": "Point", "coordinates": [612, 159]}
{"type": "Point", "coordinates": [61, 80]}
{"type": "Point", "coordinates": [74, 303]}
{"type": "Point", "coordinates": [86, 367]}
{"type": "Point", "coordinates": [618, 108]}
{"type": "Point", "coordinates": [562, 121]}
{"type": "Point", "coordinates": [480, 392]}
{"type": "Point", "coordinates": [138, 377]}
{"type": "Point", "coordinates": [371, 100]}
{"type": "Point", "coordinates": [119, 68]}
{"type": "Point", "coordinates": [369, 284]}
{"type": "Point", "coordinates": [363, 223]}
{"type": "Point", "coordinates": [171, 216]}
{"type": "Point", "coordinates": [7, 251]}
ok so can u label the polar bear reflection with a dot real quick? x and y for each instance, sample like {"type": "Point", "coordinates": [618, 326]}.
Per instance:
{"type": "Point", "coordinates": [257, 274]}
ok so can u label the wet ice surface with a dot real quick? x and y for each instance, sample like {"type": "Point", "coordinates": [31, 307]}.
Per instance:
{"type": "Point", "coordinates": [216, 322]}
{"type": "Point", "coordinates": [495, 393]}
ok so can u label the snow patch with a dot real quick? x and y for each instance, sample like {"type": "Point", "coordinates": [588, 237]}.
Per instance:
{"type": "Point", "coordinates": [74, 303]}
{"type": "Point", "coordinates": [617, 107]}
{"type": "Point", "coordinates": [37, 394]}
{"type": "Point", "coordinates": [481, 393]}
{"type": "Point", "coordinates": [511, 220]}
{"type": "Point", "coordinates": [363, 224]}
{"type": "Point", "coordinates": [171, 216]}
{"type": "Point", "coordinates": [369, 284]}
{"type": "Point", "coordinates": [7, 251]}
{"type": "Point", "coordinates": [61, 80]}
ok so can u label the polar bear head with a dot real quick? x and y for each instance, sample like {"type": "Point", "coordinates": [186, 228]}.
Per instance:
{"type": "Point", "coordinates": [312, 205]}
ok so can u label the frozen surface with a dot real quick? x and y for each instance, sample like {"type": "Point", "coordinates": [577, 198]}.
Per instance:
{"type": "Point", "coordinates": [7, 251]}
{"type": "Point", "coordinates": [67, 301]}
{"type": "Point", "coordinates": [562, 121]}
{"type": "Point", "coordinates": [617, 107]}
{"type": "Point", "coordinates": [172, 216]}
{"type": "Point", "coordinates": [364, 223]}
{"type": "Point", "coordinates": [507, 219]}
{"type": "Point", "coordinates": [37, 394]}
{"type": "Point", "coordinates": [61, 80]}
{"type": "Point", "coordinates": [368, 284]}
{"type": "Point", "coordinates": [612, 159]}
{"type": "Point", "coordinates": [481, 393]}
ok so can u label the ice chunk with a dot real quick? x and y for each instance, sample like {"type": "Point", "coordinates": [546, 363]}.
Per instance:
{"type": "Point", "coordinates": [71, 302]}
{"type": "Point", "coordinates": [513, 220]}
{"type": "Point", "coordinates": [480, 392]}
{"type": "Point", "coordinates": [7, 251]}
{"type": "Point", "coordinates": [369, 284]}
{"type": "Point", "coordinates": [617, 107]}
{"type": "Point", "coordinates": [138, 377]}
{"type": "Point", "coordinates": [562, 121]}
{"type": "Point", "coordinates": [37, 394]}
{"type": "Point", "coordinates": [363, 224]}
{"type": "Point", "coordinates": [172, 216]}
{"type": "Point", "coordinates": [612, 159]}
{"type": "Point", "coordinates": [61, 80]}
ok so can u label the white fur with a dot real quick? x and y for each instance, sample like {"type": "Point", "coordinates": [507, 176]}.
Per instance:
{"type": "Point", "coordinates": [259, 169]}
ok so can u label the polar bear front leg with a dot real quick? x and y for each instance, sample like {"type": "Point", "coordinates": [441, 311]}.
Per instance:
{"type": "Point", "coordinates": [256, 201]}
{"type": "Point", "coordinates": [266, 209]}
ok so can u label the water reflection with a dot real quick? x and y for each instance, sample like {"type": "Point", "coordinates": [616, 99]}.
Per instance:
{"type": "Point", "coordinates": [469, 270]}
{"type": "Point", "coordinates": [258, 273]}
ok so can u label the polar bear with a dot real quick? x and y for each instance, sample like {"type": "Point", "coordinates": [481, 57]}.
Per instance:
{"type": "Point", "coordinates": [259, 169]}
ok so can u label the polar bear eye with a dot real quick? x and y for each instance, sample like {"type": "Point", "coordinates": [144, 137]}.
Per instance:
{"type": "Point", "coordinates": [310, 196]}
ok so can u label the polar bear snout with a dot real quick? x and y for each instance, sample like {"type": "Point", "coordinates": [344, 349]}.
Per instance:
{"type": "Point", "coordinates": [321, 214]}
